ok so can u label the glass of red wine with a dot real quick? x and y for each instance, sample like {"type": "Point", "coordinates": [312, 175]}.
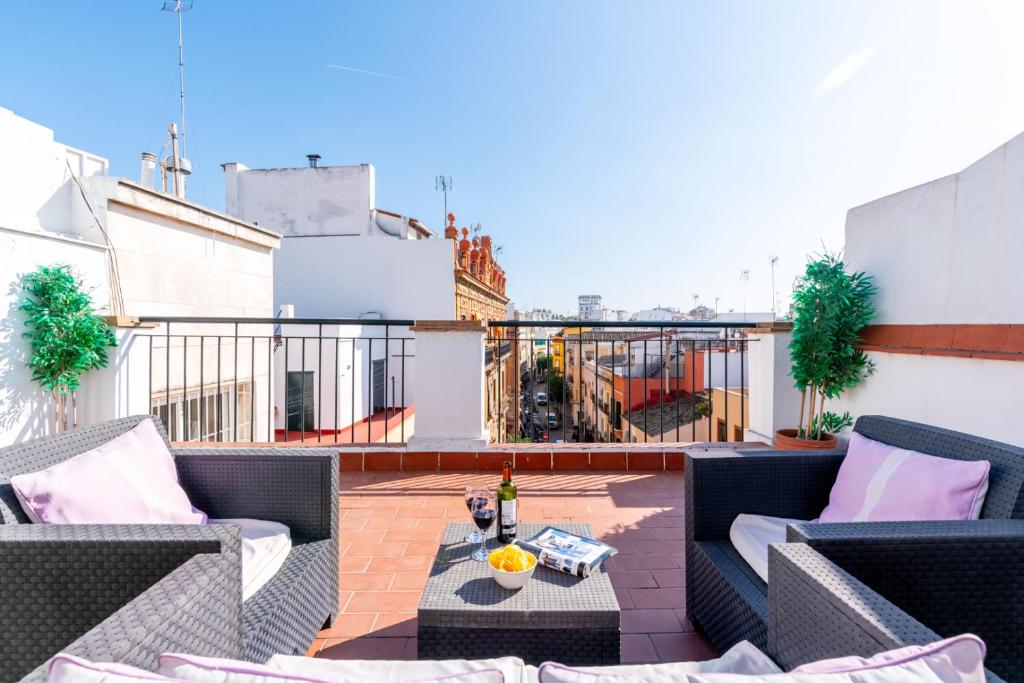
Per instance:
{"type": "Point", "coordinates": [485, 511]}
{"type": "Point", "coordinates": [474, 496]}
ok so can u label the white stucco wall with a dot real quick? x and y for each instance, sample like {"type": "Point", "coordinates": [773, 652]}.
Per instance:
{"type": "Point", "coordinates": [174, 258]}
{"type": "Point", "coordinates": [949, 251]}
{"type": "Point", "coordinates": [329, 200]}
{"type": "Point", "coordinates": [24, 409]}
{"type": "Point", "coordinates": [345, 277]}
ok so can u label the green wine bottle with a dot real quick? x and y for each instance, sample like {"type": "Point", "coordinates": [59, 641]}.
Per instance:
{"type": "Point", "coordinates": [506, 506]}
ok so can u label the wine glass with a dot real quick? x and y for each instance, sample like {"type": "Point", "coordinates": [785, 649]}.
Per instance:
{"type": "Point", "coordinates": [473, 494]}
{"type": "Point", "coordinates": [484, 513]}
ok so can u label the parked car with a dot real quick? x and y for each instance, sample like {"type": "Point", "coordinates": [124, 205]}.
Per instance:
{"type": "Point", "coordinates": [542, 399]}
{"type": "Point", "coordinates": [552, 421]}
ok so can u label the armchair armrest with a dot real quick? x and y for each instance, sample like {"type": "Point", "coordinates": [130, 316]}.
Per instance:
{"type": "Point", "coordinates": [58, 582]}
{"type": "Point", "coordinates": [196, 608]}
{"type": "Point", "coordinates": [721, 484]}
{"type": "Point", "coordinates": [294, 486]}
{"type": "Point", "coordinates": [820, 611]}
{"type": "Point", "coordinates": [956, 576]}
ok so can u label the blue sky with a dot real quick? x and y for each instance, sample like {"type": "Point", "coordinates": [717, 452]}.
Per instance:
{"type": "Point", "coordinates": [645, 151]}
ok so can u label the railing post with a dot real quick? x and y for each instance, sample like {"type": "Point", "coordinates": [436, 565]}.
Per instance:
{"type": "Point", "coordinates": [774, 402]}
{"type": "Point", "coordinates": [449, 386]}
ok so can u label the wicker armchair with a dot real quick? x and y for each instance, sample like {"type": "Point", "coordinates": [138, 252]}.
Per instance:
{"type": "Point", "coordinates": [953, 576]}
{"type": "Point", "coordinates": [126, 593]}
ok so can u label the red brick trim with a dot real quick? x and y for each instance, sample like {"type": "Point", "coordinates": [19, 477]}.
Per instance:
{"type": "Point", "coordinates": [574, 458]}
{"type": "Point", "coordinates": [990, 342]}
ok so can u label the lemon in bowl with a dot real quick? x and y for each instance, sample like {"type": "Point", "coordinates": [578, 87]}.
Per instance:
{"type": "Point", "coordinates": [511, 566]}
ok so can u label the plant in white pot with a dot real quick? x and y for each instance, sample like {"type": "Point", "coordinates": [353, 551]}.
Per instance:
{"type": "Point", "coordinates": [831, 307]}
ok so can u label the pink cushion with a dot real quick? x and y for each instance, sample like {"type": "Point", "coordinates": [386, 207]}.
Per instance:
{"type": "Point", "coordinates": [966, 651]}
{"type": "Point", "coordinates": [878, 482]}
{"type": "Point", "coordinates": [128, 480]}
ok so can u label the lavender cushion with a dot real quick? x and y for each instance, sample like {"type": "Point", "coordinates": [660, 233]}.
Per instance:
{"type": "Point", "coordinates": [183, 667]}
{"type": "Point", "coordinates": [956, 660]}
{"type": "Point", "coordinates": [68, 669]}
{"type": "Point", "coordinates": [128, 480]}
{"type": "Point", "coordinates": [878, 482]}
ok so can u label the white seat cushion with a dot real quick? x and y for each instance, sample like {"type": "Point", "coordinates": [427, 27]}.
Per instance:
{"type": "Point", "coordinates": [751, 535]}
{"type": "Point", "coordinates": [265, 547]}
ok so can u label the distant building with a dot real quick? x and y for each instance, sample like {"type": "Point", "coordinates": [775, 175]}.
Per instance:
{"type": "Point", "coordinates": [657, 314]}
{"type": "Point", "coordinates": [343, 257]}
{"type": "Point", "coordinates": [745, 317]}
{"type": "Point", "coordinates": [589, 306]}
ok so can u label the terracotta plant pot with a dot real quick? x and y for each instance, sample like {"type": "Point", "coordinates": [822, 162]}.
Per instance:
{"type": "Point", "coordinates": [786, 440]}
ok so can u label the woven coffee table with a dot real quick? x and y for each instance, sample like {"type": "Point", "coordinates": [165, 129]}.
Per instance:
{"type": "Point", "coordinates": [465, 614]}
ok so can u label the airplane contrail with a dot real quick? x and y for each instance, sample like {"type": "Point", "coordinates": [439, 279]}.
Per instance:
{"type": "Point", "coordinates": [375, 73]}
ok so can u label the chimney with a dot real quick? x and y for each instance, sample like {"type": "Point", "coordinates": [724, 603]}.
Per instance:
{"type": "Point", "coordinates": [147, 171]}
{"type": "Point", "coordinates": [314, 160]}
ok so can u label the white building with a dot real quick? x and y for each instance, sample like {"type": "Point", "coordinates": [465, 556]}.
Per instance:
{"type": "Point", "coordinates": [336, 241]}
{"type": "Point", "coordinates": [657, 314]}
{"type": "Point", "coordinates": [947, 340]}
{"type": "Point", "coordinates": [141, 252]}
{"type": "Point", "coordinates": [343, 257]}
{"type": "Point", "coordinates": [589, 306]}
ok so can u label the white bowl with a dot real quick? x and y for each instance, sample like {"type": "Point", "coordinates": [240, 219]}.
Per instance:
{"type": "Point", "coordinates": [512, 580]}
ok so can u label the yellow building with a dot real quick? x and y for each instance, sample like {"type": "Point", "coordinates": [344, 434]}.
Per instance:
{"type": "Point", "coordinates": [480, 295]}
{"type": "Point", "coordinates": [731, 410]}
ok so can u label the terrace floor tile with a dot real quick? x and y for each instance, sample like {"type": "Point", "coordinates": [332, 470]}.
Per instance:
{"type": "Point", "coordinates": [391, 523]}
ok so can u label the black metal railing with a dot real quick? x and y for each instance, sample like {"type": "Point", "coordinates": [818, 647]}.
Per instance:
{"type": "Point", "coordinates": [271, 379]}
{"type": "Point", "coordinates": [667, 381]}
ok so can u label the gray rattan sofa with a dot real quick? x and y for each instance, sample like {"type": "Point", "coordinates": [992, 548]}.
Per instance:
{"type": "Point", "coordinates": [126, 593]}
{"type": "Point", "coordinates": [817, 610]}
{"type": "Point", "coordinates": [953, 576]}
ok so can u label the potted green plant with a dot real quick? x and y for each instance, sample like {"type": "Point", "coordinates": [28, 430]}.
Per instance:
{"type": "Point", "coordinates": [67, 337]}
{"type": "Point", "coordinates": [831, 307]}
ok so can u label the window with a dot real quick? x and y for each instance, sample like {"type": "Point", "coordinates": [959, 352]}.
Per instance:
{"type": "Point", "coordinates": [206, 415]}
{"type": "Point", "coordinates": [243, 395]}
{"type": "Point", "coordinates": [723, 433]}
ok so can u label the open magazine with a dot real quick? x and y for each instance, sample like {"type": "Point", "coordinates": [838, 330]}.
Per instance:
{"type": "Point", "coordinates": [566, 552]}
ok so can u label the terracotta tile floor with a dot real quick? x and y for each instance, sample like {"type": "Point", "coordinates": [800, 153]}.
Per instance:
{"type": "Point", "coordinates": [392, 522]}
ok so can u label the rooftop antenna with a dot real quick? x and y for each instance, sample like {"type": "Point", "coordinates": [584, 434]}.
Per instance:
{"type": "Point", "coordinates": [179, 7]}
{"type": "Point", "coordinates": [745, 279]}
{"type": "Point", "coordinates": [773, 261]}
{"type": "Point", "coordinates": [443, 183]}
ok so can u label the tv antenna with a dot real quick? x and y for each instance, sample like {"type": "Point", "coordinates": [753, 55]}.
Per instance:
{"type": "Point", "coordinates": [443, 183]}
{"type": "Point", "coordinates": [773, 261]}
{"type": "Point", "coordinates": [498, 249]}
{"type": "Point", "coordinates": [179, 7]}
{"type": "Point", "coordinates": [745, 279]}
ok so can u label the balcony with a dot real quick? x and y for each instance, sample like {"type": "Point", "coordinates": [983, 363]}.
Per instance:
{"type": "Point", "coordinates": [397, 382]}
